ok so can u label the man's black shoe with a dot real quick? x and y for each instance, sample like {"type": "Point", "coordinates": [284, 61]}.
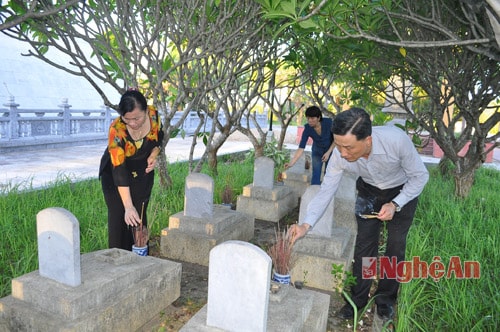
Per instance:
{"type": "Point", "coordinates": [346, 312]}
{"type": "Point", "coordinates": [385, 311]}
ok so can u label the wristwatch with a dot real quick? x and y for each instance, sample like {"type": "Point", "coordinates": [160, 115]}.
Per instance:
{"type": "Point", "coordinates": [396, 205]}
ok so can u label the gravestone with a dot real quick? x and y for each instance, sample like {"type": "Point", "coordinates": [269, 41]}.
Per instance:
{"type": "Point", "coordinates": [58, 236]}
{"type": "Point", "coordinates": [330, 241]}
{"type": "Point", "coordinates": [263, 199]}
{"type": "Point", "coordinates": [199, 196]}
{"type": "Point", "coordinates": [240, 296]}
{"type": "Point", "coordinates": [239, 278]}
{"type": "Point", "coordinates": [191, 234]}
{"type": "Point", "coordinates": [324, 226]}
{"type": "Point", "coordinates": [298, 177]}
{"type": "Point", "coordinates": [118, 290]}
{"type": "Point", "coordinates": [300, 164]}
{"type": "Point", "coordinates": [263, 175]}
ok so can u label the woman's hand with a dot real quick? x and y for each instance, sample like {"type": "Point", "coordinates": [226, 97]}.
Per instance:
{"type": "Point", "coordinates": [132, 217]}
{"type": "Point", "coordinates": [326, 156]}
{"type": "Point", "coordinates": [151, 163]}
{"type": "Point", "coordinates": [152, 159]}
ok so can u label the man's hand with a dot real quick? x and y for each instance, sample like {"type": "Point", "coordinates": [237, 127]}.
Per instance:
{"type": "Point", "coordinates": [297, 231]}
{"type": "Point", "coordinates": [387, 212]}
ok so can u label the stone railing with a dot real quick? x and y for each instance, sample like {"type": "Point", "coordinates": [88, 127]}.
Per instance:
{"type": "Point", "coordinates": [22, 129]}
{"type": "Point", "coordinates": [18, 123]}
{"type": "Point", "coordinates": [192, 120]}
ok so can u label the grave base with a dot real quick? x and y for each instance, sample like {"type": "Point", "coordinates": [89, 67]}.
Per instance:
{"type": "Point", "coordinates": [190, 239]}
{"type": "Point", "coordinates": [289, 309]}
{"type": "Point", "coordinates": [115, 295]}
{"type": "Point", "coordinates": [265, 203]}
{"type": "Point", "coordinates": [314, 256]}
{"type": "Point", "coordinates": [297, 181]}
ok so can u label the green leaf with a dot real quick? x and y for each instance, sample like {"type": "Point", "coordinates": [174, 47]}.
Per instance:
{"type": "Point", "coordinates": [304, 6]}
{"type": "Point", "coordinates": [308, 24]}
{"type": "Point", "coordinates": [277, 15]}
{"type": "Point", "coordinates": [416, 140]}
{"type": "Point", "coordinates": [355, 95]}
{"type": "Point", "coordinates": [268, 4]}
{"type": "Point", "coordinates": [167, 64]}
{"type": "Point", "coordinates": [17, 7]}
{"type": "Point", "coordinates": [289, 8]}
{"type": "Point", "coordinates": [400, 126]}
{"type": "Point", "coordinates": [174, 133]}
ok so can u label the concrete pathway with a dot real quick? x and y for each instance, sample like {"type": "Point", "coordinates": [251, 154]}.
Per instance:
{"type": "Point", "coordinates": [36, 169]}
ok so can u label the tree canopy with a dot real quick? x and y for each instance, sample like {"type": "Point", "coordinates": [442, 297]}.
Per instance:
{"type": "Point", "coordinates": [223, 56]}
{"type": "Point", "coordinates": [185, 55]}
{"type": "Point", "coordinates": [446, 48]}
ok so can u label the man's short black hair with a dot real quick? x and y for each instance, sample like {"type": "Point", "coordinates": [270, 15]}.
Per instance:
{"type": "Point", "coordinates": [355, 121]}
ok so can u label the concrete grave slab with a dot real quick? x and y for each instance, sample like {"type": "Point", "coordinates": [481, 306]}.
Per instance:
{"type": "Point", "coordinates": [237, 304]}
{"type": "Point", "coordinates": [263, 199]}
{"type": "Point", "coordinates": [191, 234]}
{"type": "Point", "coordinates": [331, 241]}
{"type": "Point", "coordinates": [120, 291]}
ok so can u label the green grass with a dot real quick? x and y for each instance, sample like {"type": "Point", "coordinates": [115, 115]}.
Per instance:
{"type": "Point", "coordinates": [18, 245]}
{"type": "Point", "coordinates": [444, 226]}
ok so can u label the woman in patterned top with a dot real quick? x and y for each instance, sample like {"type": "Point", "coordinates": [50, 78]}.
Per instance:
{"type": "Point", "coordinates": [127, 166]}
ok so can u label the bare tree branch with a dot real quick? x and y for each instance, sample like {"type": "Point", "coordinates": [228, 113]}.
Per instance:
{"type": "Point", "coordinates": [36, 10]}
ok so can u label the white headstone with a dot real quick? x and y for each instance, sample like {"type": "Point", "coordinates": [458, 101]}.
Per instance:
{"type": "Point", "coordinates": [239, 279]}
{"type": "Point", "coordinates": [263, 173]}
{"type": "Point", "coordinates": [59, 246]}
{"type": "Point", "coordinates": [199, 196]}
{"type": "Point", "coordinates": [300, 164]}
{"type": "Point", "coordinates": [324, 226]}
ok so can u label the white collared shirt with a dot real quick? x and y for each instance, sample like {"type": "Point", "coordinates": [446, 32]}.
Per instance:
{"type": "Point", "coordinates": [393, 161]}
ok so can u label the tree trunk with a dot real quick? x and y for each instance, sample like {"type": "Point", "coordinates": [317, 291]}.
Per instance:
{"type": "Point", "coordinates": [464, 176]}
{"type": "Point", "coordinates": [281, 139]}
{"type": "Point", "coordinates": [445, 167]}
{"type": "Point", "coordinates": [259, 150]}
{"type": "Point", "coordinates": [463, 183]}
{"type": "Point", "coordinates": [165, 179]}
{"type": "Point", "coordinates": [212, 161]}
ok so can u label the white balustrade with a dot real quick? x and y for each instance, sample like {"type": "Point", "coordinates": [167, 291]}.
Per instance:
{"type": "Point", "coordinates": [25, 127]}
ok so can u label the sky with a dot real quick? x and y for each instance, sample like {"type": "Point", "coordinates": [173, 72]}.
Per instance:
{"type": "Point", "coordinates": [37, 85]}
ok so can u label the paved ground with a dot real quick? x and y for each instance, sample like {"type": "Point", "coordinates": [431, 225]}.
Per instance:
{"type": "Point", "coordinates": [38, 168]}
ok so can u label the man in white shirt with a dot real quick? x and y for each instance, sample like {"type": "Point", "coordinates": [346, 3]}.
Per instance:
{"type": "Point", "coordinates": [391, 176]}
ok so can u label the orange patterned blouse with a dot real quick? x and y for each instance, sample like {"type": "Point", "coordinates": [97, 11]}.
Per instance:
{"type": "Point", "coordinates": [129, 157]}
